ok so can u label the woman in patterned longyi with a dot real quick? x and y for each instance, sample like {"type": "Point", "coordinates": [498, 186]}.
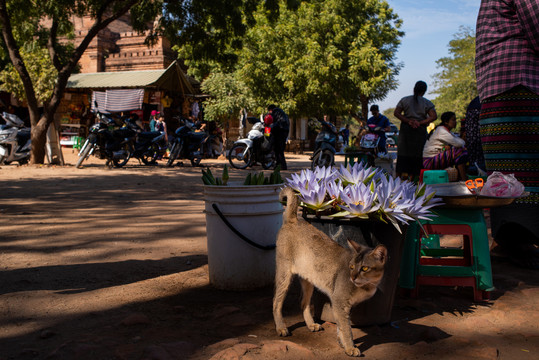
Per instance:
{"type": "Point", "coordinates": [507, 71]}
{"type": "Point", "coordinates": [443, 149]}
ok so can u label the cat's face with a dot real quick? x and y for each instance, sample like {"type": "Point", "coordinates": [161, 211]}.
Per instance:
{"type": "Point", "coordinates": [367, 267]}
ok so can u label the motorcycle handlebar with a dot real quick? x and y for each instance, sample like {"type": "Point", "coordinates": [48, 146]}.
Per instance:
{"type": "Point", "coordinates": [373, 128]}
{"type": "Point", "coordinates": [328, 125]}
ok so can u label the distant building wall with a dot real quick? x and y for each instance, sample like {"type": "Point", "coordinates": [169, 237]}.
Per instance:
{"type": "Point", "coordinates": [119, 48]}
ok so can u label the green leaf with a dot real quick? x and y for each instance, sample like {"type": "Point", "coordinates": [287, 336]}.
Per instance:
{"type": "Point", "coordinates": [225, 175]}
{"type": "Point", "coordinates": [260, 180]}
{"type": "Point", "coordinates": [420, 191]}
{"type": "Point", "coordinates": [247, 180]}
{"type": "Point", "coordinates": [340, 214]}
{"type": "Point", "coordinates": [254, 179]}
{"type": "Point", "coordinates": [210, 176]}
{"type": "Point", "coordinates": [368, 179]}
{"type": "Point", "coordinates": [429, 197]}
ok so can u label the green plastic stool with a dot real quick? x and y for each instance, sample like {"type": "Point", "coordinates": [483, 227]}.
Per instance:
{"type": "Point", "coordinates": [433, 176]}
{"type": "Point", "coordinates": [469, 266]}
{"type": "Point", "coordinates": [79, 141]}
{"type": "Point", "coordinates": [351, 158]}
{"type": "Point", "coordinates": [431, 242]}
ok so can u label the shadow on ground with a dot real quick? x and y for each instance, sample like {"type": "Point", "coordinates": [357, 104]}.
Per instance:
{"type": "Point", "coordinates": [112, 264]}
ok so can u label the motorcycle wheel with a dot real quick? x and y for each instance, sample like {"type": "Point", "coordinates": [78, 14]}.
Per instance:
{"type": "Point", "coordinates": [322, 158]}
{"type": "Point", "coordinates": [269, 161]}
{"type": "Point", "coordinates": [195, 161]}
{"type": "Point", "coordinates": [84, 153]}
{"type": "Point", "coordinates": [174, 153]}
{"type": "Point", "coordinates": [121, 162]}
{"type": "Point", "coordinates": [150, 156]}
{"type": "Point", "coordinates": [240, 156]}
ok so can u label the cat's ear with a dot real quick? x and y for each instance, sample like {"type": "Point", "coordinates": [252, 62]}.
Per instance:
{"type": "Point", "coordinates": [354, 245]}
{"type": "Point", "coordinates": [380, 253]}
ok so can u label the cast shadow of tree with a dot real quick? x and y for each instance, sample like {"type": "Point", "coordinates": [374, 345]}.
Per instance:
{"type": "Point", "coordinates": [78, 278]}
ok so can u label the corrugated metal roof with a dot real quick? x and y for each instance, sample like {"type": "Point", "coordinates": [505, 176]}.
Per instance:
{"type": "Point", "coordinates": [120, 79]}
{"type": "Point", "coordinates": [172, 79]}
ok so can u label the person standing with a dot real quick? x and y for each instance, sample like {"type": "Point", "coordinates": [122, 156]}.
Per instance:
{"type": "Point", "coordinates": [507, 72]}
{"type": "Point", "coordinates": [382, 122]}
{"type": "Point", "coordinates": [470, 133]}
{"type": "Point", "coordinates": [195, 110]}
{"type": "Point", "coordinates": [153, 119]}
{"type": "Point", "coordinates": [415, 113]}
{"type": "Point", "coordinates": [346, 135]}
{"type": "Point", "coordinates": [279, 131]}
{"type": "Point", "coordinates": [161, 126]}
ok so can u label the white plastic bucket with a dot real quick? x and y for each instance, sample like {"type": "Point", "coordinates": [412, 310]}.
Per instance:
{"type": "Point", "coordinates": [256, 213]}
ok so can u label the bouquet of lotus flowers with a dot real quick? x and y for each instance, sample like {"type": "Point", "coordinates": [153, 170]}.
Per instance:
{"type": "Point", "coordinates": [363, 192]}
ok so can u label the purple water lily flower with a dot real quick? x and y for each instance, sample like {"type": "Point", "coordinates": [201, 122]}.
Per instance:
{"type": "Point", "coordinates": [314, 197]}
{"type": "Point", "coordinates": [326, 174]}
{"type": "Point", "coordinates": [420, 208]}
{"type": "Point", "coordinates": [334, 189]}
{"type": "Point", "coordinates": [360, 191]}
{"type": "Point", "coordinates": [358, 200]}
{"type": "Point", "coordinates": [302, 180]}
{"type": "Point", "coordinates": [392, 202]}
{"type": "Point", "coordinates": [357, 173]}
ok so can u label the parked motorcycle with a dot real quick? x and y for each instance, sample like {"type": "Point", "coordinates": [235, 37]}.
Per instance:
{"type": "Point", "coordinates": [369, 142]}
{"type": "Point", "coordinates": [147, 146]}
{"type": "Point", "coordinates": [187, 144]}
{"type": "Point", "coordinates": [371, 139]}
{"type": "Point", "coordinates": [119, 140]}
{"type": "Point", "coordinates": [106, 140]}
{"type": "Point", "coordinates": [256, 148]}
{"type": "Point", "coordinates": [15, 142]}
{"type": "Point", "coordinates": [326, 144]}
{"type": "Point", "coordinates": [213, 143]}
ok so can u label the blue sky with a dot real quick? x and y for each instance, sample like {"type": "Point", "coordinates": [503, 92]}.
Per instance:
{"type": "Point", "coordinates": [429, 26]}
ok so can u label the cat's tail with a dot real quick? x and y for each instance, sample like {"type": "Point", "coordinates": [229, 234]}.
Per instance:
{"type": "Point", "coordinates": [291, 211]}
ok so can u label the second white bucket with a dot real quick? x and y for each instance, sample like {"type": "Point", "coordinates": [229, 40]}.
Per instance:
{"type": "Point", "coordinates": [256, 215]}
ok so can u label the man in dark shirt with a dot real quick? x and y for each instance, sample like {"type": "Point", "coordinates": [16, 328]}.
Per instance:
{"type": "Point", "coordinates": [279, 132]}
{"type": "Point", "coordinates": [382, 122]}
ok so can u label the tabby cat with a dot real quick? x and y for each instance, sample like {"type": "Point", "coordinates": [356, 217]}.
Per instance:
{"type": "Point", "coordinates": [347, 276]}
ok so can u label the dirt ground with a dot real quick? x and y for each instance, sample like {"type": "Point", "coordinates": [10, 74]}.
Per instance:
{"type": "Point", "coordinates": [100, 263]}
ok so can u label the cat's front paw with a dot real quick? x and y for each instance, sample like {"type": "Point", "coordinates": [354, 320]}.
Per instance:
{"type": "Point", "coordinates": [315, 327]}
{"type": "Point", "coordinates": [283, 332]}
{"type": "Point", "coordinates": [354, 351]}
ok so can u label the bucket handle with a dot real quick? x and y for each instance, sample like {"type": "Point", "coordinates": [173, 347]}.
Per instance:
{"type": "Point", "coordinates": [235, 231]}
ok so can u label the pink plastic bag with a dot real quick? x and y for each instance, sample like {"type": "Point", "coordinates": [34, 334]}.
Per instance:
{"type": "Point", "coordinates": [502, 185]}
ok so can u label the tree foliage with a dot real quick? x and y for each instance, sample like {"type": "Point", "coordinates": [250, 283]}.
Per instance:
{"type": "Point", "coordinates": [321, 57]}
{"type": "Point", "coordinates": [40, 69]}
{"type": "Point", "coordinates": [455, 83]}
{"type": "Point", "coordinates": [313, 57]}
{"type": "Point", "coordinates": [228, 96]}
{"type": "Point", "coordinates": [390, 114]}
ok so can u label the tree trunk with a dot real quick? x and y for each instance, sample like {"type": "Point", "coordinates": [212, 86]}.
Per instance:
{"type": "Point", "coordinates": [39, 139]}
{"type": "Point", "coordinates": [364, 106]}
